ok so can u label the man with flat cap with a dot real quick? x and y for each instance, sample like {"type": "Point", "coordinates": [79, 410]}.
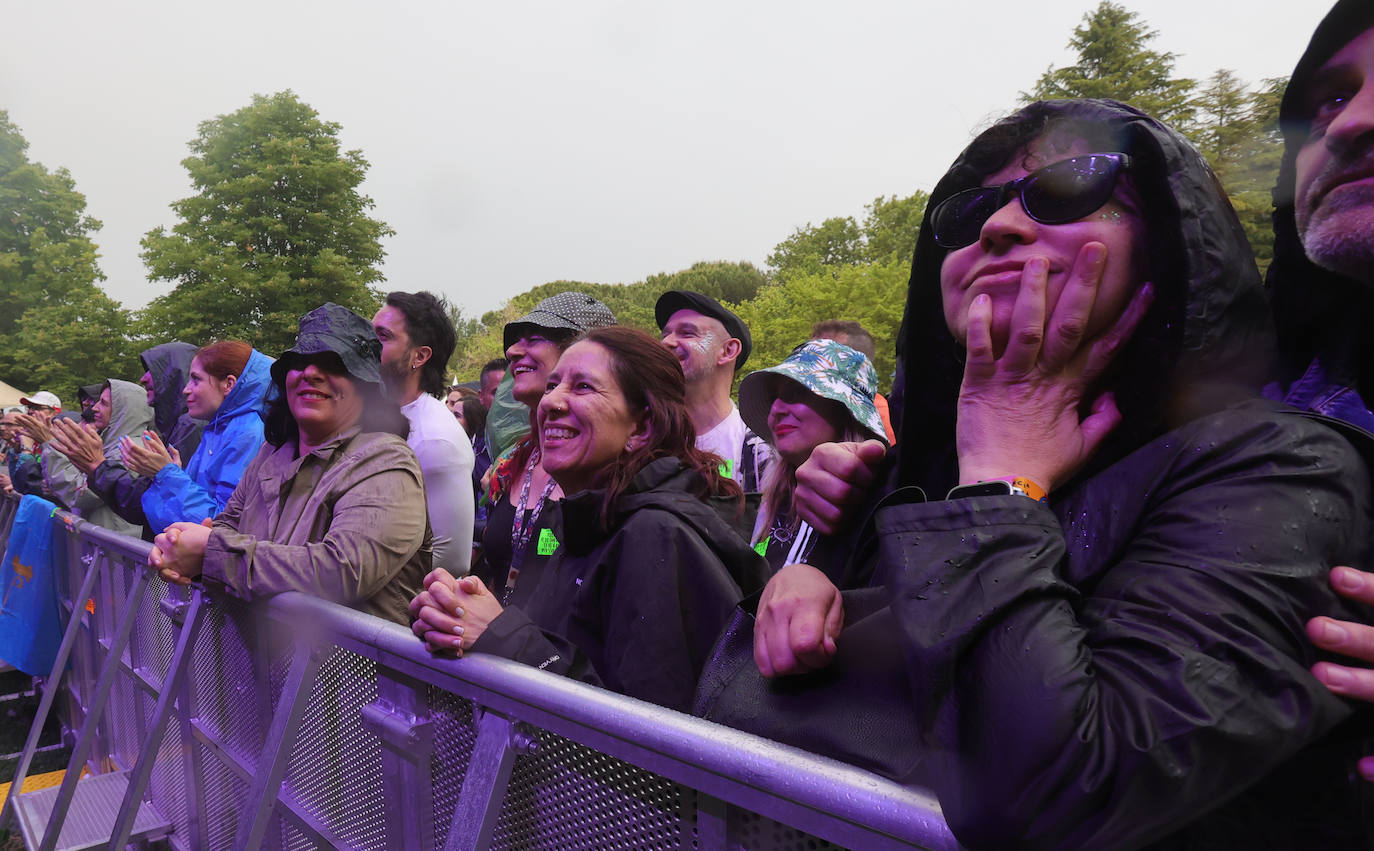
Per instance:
{"type": "Point", "coordinates": [712, 343]}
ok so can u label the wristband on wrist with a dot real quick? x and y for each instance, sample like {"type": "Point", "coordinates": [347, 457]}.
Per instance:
{"type": "Point", "coordinates": [1023, 486]}
{"type": "Point", "coordinates": [1003, 486]}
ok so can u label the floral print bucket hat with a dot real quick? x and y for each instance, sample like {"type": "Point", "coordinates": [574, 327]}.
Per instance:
{"type": "Point", "coordinates": [826, 368]}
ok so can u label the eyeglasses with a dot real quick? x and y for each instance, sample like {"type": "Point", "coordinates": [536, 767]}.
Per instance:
{"type": "Point", "coordinates": [1059, 193]}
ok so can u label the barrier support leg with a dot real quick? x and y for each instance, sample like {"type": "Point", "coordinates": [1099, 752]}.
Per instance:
{"type": "Point", "coordinates": [276, 748]}
{"type": "Point", "coordinates": [484, 784]}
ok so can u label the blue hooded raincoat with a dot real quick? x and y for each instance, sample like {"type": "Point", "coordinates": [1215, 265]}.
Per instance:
{"type": "Point", "coordinates": [231, 439]}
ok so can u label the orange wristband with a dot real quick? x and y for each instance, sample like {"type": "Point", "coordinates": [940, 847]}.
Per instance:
{"type": "Point", "coordinates": [1025, 487]}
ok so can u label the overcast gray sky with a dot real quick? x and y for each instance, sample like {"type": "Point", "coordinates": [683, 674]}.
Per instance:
{"type": "Point", "coordinates": [515, 143]}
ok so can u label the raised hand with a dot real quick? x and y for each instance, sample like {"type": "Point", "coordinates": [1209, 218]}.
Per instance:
{"type": "Point", "coordinates": [144, 455]}
{"type": "Point", "coordinates": [835, 479]}
{"type": "Point", "coordinates": [1019, 412]}
{"type": "Point", "coordinates": [80, 443]}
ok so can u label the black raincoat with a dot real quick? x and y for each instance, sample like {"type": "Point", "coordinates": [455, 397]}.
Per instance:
{"type": "Point", "coordinates": [1127, 665]}
{"type": "Point", "coordinates": [638, 608]}
{"type": "Point", "coordinates": [170, 366]}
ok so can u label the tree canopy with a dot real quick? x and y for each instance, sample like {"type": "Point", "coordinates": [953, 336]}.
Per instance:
{"type": "Point", "coordinates": [277, 228]}
{"type": "Point", "coordinates": [1115, 61]}
{"type": "Point", "coordinates": [58, 328]}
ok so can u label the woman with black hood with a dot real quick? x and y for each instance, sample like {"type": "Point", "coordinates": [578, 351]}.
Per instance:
{"type": "Point", "coordinates": [1102, 549]}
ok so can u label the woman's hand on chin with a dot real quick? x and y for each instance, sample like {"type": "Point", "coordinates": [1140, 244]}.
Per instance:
{"type": "Point", "coordinates": [1019, 413]}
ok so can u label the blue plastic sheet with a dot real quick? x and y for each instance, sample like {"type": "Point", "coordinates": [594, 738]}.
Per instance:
{"type": "Point", "coordinates": [30, 619]}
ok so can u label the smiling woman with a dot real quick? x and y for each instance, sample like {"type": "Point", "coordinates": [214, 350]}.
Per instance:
{"type": "Point", "coordinates": [333, 504]}
{"type": "Point", "coordinates": [650, 567]}
{"type": "Point", "coordinates": [822, 393]}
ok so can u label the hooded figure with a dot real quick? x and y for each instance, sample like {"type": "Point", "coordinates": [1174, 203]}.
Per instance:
{"type": "Point", "coordinates": [230, 440]}
{"type": "Point", "coordinates": [1122, 662]}
{"type": "Point", "coordinates": [129, 416]}
{"type": "Point", "coordinates": [1326, 351]}
{"type": "Point", "coordinates": [168, 364]}
{"type": "Point", "coordinates": [1126, 663]}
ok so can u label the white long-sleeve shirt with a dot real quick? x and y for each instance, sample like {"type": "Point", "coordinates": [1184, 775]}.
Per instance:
{"type": "Point", "coordinates": [446, 461]}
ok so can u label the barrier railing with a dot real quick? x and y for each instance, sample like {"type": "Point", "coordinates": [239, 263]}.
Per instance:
{"type": "Point", "coordinates": [299, 724]}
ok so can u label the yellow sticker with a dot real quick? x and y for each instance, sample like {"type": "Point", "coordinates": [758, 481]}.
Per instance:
{"type": "Point", "coordinates": [547, 543]}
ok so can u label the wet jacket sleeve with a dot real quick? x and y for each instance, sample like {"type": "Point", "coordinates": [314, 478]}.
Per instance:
{"type": "Point", "coordinates": [376, 526]}
{"type": "Point", "coordinates": [174, 496]}
{"type": "Point", "coordinates": [1110, 710]}
{"type": "Point", "coordinates": [122, 491]}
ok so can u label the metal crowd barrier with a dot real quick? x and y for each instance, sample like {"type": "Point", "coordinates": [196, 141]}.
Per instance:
{"type": "Point", "coordinates": [297, 723]}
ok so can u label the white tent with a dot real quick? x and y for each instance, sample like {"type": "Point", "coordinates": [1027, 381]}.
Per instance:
{"type": "Point", "coordinates": [9, 395]}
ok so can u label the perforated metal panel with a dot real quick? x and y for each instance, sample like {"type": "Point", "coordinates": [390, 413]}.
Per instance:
{"type": "Point", "coordinates": [454, 738]}
{"type": "Point", "coordinates": [224, 795]}
{"type": "Point", "coordinates": [335, 770]}
{"type": "Point", "coordinates": [226, 682]}
{"type": "Point", "coordinates": [565, 796]}
{"type": "Point", "coordinates": [752, 831]}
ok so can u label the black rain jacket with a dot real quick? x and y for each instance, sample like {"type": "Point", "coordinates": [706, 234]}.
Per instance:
{"type": "Point", "coordinates": [1127, 665]}
{"type": "Point", "coordinates": [637, 609]}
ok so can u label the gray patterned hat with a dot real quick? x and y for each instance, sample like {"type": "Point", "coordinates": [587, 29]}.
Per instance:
{"type": "Point", "coordinates": [826, 368]}
{"type": "Point", "coordinates": [570, 311]}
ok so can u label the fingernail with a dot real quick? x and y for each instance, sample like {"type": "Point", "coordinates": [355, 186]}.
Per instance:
{"type": "Point", "coordinates": [1347, 579]}
{"type": "Point", "coordinates": [458, 612]}
{"type": "Point", "coordinates": [1336, 677]}
{"type": "Point", "coordinates": [1333, 633]}
{"type": "Point", "coordinates": [457, 630]}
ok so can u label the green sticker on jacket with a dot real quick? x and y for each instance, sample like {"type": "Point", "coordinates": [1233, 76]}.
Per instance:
{"type": "Point", "coordinates": [547, 543]}
{"type": "Point", "coordinates": [727, 468]}
{"type": "Point", "coordinates": [762, 547]}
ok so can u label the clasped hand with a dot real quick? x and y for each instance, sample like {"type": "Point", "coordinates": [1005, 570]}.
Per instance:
{"type": "Point", "coordinates": [179, 552]}
{"type": "Point", "coordinates": [147, 455]}
{"type": "Point", "coordinates": [451, 614]}
{"type": "Point", "coordinates": [1019, 413]}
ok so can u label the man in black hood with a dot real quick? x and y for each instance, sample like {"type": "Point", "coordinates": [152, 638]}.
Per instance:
{"type": "Point", "coordinates": [1321, 282]}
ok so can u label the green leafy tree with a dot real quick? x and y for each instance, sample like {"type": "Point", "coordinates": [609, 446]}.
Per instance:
{"type": "Point", "coordinates": [1238, 131]}
{"type": "Point", "coordinates": [873, 294]}
{"type": "Point", "coordinates": [276, 228]}
{"type": "Point", "coordinates": [891, 225]}
{"type": "Point", "coordinates": [834, 242]}
{"type": "Point", "coordinates": [1115, 61]}
{"type": "Point", "coordinates": [58, 329]}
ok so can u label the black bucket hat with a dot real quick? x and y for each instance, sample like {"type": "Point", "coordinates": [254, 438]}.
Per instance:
{"type": "Point", "coordinates": [674, 300]}
{"type": "Point", "coordinates": [570, 312]}
{"type": "Point", "coordinates": [334, 328]}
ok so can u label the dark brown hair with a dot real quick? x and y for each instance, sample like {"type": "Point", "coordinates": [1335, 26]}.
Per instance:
{"type": "Point", "coordinates": [225, 358]}
{"type": "Point", "coordinates": [651, 380]}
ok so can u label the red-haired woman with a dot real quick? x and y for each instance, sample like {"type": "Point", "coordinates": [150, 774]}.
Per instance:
{"type": "Point", "coordinates": [650, 567]}
{"type": "Point", "coordinates": [227, 386]}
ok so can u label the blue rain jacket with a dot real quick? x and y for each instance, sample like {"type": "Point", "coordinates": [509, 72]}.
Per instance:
{"type": "Point", "coordinates": [229, 442]}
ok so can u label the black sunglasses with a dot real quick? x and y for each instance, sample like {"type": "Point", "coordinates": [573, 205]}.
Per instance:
{"type": "Point", "coordinates": [1059, 193]}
